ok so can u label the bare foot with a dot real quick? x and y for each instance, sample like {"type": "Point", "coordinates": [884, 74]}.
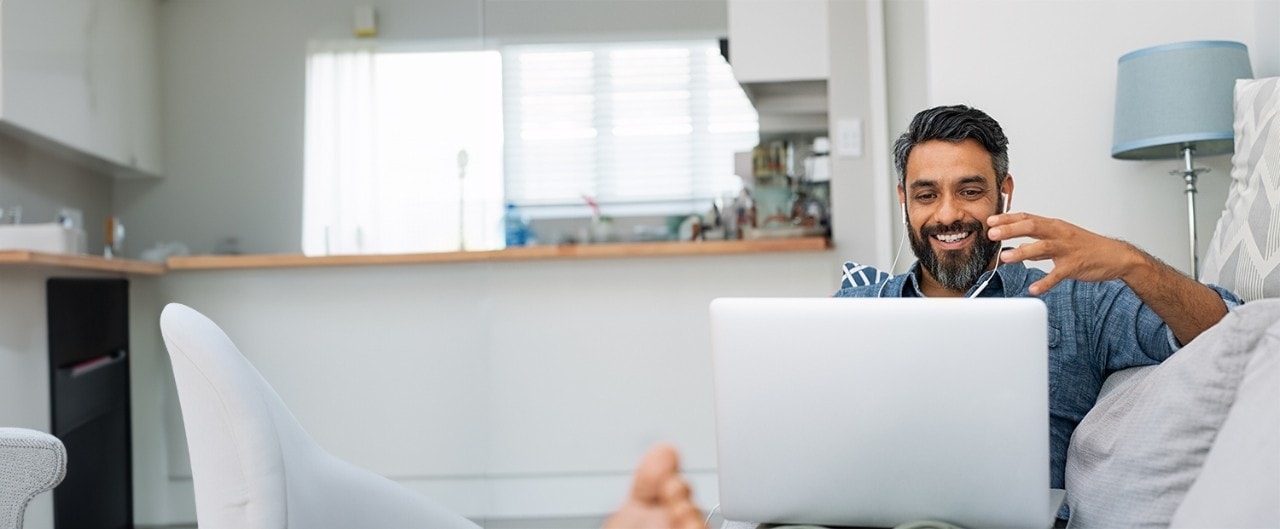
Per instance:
{"type": "Point", "coordinates": [660, 497]}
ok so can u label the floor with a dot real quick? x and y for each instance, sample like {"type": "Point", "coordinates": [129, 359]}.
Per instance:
{"type": "Point", "coordinates": [544, 523]}
{"type": "Point", "coordinates": [513, 523]}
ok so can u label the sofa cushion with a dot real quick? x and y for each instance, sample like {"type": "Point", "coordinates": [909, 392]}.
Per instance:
{"type": "Point", "coordinates": [1239, 485]}
{"type": "Point", "coordinates": [1244, 252]}
{"type": "Point", "coordinates": [1135, 455]}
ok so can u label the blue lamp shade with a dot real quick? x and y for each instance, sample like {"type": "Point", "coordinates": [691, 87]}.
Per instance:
{"type": "Point", "coordinates": [1176, 94]}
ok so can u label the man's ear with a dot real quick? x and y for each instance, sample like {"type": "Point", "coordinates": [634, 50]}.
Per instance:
{"type": "Point", "coordinates": [902, 203]}
{"type": "Point", "coordinates": [1006, 192]}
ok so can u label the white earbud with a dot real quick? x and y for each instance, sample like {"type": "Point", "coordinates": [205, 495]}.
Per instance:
{"type": "Point", "coordinates": [1004, 202]}
{"type": "Point", "coordinates": [904, 213]}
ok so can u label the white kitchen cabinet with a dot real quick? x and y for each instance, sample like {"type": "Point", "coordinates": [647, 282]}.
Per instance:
{"type": "Point", "coordinates": [778, 40]}
{"type": "Point", "coordinates": [79, 77]}
{"type": "Point", "coordinates": [780, 53]}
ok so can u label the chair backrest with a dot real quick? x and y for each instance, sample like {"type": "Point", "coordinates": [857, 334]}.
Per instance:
{"type": "Point", "coordinates": [253, 465]}
{"type": "Point", "coordinates": [31, 462]}
{"type": "Point", "coordinates": [229, 412]}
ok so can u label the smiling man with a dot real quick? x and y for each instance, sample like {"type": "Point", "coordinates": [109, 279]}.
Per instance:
{"type": "Point", "coordinates": [1111, 306]}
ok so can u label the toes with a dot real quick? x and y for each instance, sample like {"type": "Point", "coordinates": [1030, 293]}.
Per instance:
{"type": "Point", "coordinates": [684, 515]}
{"type": "Point", "coordinates": [659, 464]}
{"type": "Point", "coordinates": [660, 497]}
{"type": "Point", "coordinates": [675, 489]}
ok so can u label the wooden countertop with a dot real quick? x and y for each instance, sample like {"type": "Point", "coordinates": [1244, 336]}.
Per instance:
{"type": "Point", "coordinates": [530, 253]}
{"type": "Point", "coordinates": [577, 251]}
{"type": "Point", "coordinates": [79, 262]}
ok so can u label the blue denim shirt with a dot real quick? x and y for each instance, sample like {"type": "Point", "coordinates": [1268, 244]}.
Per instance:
{"type": "Point", "coordinates": [1095, 329]}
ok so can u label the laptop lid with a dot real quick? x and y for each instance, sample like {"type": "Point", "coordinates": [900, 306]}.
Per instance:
{"type": "Point", "coordinates": [876, 412]}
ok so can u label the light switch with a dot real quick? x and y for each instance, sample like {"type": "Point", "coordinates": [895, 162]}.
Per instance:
{"type": "Point", "coordinates": [848, 137]}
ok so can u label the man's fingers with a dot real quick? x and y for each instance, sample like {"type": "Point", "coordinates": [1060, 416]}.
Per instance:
{"type": "Point", "coordinates": [1032, 251]}
{"type": "Point", "coordinates": [1007, 218]}
{"type": "Point", "coordinates": [1018, 228]}
{"type": "Point", "coordinates": [1030, 226]}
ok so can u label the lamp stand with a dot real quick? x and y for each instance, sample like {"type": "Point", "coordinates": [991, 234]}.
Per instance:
{"type": "Point", "coordinates": [1189, 173]}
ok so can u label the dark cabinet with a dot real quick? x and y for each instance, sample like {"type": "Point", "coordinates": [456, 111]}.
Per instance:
{"type": "Point", "coordinates": [89, 386]}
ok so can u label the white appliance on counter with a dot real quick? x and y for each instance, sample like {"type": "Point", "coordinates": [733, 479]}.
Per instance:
{"type": "Point", "coordinates": [49, 237]}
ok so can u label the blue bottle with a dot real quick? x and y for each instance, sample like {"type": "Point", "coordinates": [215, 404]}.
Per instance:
{"type": "Point", "coordinates": [516, 227]}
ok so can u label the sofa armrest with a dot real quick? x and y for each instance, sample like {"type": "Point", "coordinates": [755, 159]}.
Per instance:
{"type": "Point", "coordinates": [31, 462]}
{"type": "Point", "coordinates": [1139, 450]}
{"type": "Point", "coordinates": [1122, 379]}
{"type": "Point", "coordinates": [1238, 485]}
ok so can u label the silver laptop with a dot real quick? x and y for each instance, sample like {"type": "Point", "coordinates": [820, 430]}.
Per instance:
{"type": "Point", "coordinates": [878, 412]}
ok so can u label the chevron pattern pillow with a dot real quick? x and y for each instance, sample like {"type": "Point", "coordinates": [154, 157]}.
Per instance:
{"type": "Point", "coordinates": [1244, 252]}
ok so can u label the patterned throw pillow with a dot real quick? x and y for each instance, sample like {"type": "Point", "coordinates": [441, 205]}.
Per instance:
{"type": "Point", "coordinates": [855, 275]}
{"type": "Point", "coordinates": [1244, 252]}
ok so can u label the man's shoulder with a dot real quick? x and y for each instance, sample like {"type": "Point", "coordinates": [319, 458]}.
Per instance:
{"type": "Point", "coordinates": [863, 291]}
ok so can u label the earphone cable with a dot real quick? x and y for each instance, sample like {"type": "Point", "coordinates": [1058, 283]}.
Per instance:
{"type": "Point", "coordinates": [715, 509]}
{"type": "Point", "coordinates": [893, 267]}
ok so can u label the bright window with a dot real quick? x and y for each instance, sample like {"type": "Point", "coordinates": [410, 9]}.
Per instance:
{"type": "Point", "coordinates": [644, 128]}
{"type": "Point", "coordinates": [420, 151]}
{"type": "Point", "coordinates": [403, 151]}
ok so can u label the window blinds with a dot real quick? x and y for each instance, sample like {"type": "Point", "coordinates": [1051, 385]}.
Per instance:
{"type": "Point", "coordinates": [627, 124]}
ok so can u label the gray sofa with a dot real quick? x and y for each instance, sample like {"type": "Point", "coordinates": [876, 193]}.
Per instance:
{"type": "Point", "coordinates": [1195, 441]}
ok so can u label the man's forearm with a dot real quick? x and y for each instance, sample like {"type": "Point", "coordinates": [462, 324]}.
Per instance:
{"type": "Point", "coordinates": [1186, 305]}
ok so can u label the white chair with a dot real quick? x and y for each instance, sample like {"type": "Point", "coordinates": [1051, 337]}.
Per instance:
{"type": "Point", "coordinates": [252, 464]}
{"type": "Point", "coordinates": [31, 462]}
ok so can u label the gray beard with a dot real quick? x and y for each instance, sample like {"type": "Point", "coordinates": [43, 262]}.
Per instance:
{"type": "Point", "coordinates": [955, 269]}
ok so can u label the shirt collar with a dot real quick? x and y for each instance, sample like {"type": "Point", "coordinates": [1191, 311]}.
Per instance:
{"type": "Point", "coordinates": [911, 286]}
{"type": "Point", "coordinates": [1012, 279]}
{"type": "Point", "coordinates": [1006, 283]}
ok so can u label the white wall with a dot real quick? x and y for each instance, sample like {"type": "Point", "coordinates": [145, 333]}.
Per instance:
{"type": "Point", "coordinates": [1046, 71]}
{"type": "Point", "coordinates": [24, 366]}
{"type": "Point", "coordinates": [907, 66]}
{"type": "Point", "coordinates": [855, 91]}
{"type": "Point", "coordinates": [42, 183]}
{"type": "Point", "coordinates": [1266, 51]}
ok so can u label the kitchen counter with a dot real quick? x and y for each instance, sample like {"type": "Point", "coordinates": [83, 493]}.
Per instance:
{"type": "Point", "coordinates": [78, 262]}
{"type": "Point", "coordinates": [27, 258]}
{"type": "Point", "coordinates": [576, 251]}
{"type": "Point", "coordinates": [519, 354]}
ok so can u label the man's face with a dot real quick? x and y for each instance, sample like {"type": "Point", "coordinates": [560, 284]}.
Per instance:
{"type": "Point", "coordinates": [950, 190]}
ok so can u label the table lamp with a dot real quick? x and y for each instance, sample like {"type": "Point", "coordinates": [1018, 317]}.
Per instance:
{"type": "Point", "coordinates": [1174, 101]}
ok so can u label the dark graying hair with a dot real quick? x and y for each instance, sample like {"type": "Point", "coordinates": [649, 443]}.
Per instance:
{"type": "Point", "coordinates": [953, 124]}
